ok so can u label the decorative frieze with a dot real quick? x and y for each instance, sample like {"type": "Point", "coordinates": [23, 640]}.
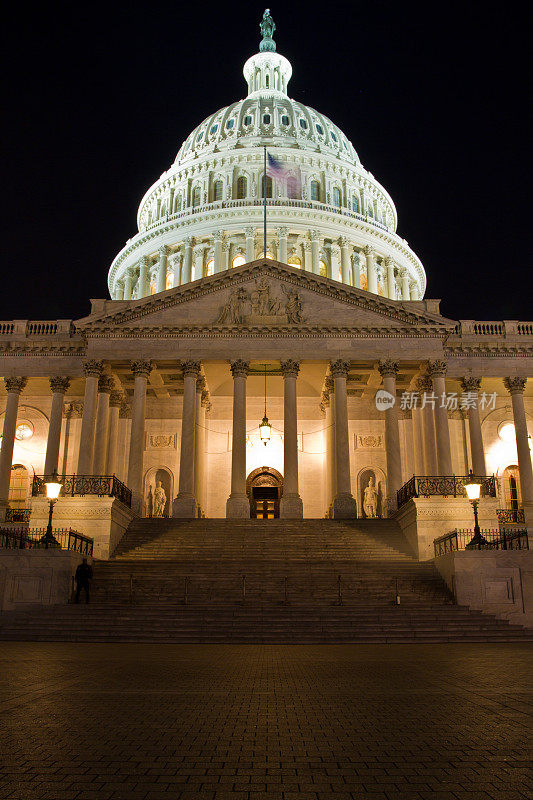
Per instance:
{"type": "Point", "coordinates": [368, 442]}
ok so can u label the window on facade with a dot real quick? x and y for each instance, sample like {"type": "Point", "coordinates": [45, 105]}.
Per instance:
{"type": "Point", "coordinates": [200, 136]}
{"type": "Point", "coordinates": [303, 124]}
{"type": "Point", "coordinates": [370, 210]}
{"type": "Point", "coordinates": [23, 431]}
{"type": "Point", "coordinates": [315, 190]}
{"type": "Point", "coordinates": [294, 261]}
{"type": "Point", "coordinates": [196, 196]}
{"type": "Point", "coordinates": [292, 187]}
{"type": "Point", "coordinates": [364, 282]}
{"type": "Point", "coordinates": [238, 261]}
{"type": "Point", "coordinates": [268, 186]}
{"type": "Point", "coordinates": [355, 204]}
{"type": "Point", "coordinates": [163, 209]}
{"type": "Point", "coordinates": [152, 287]}
{"type": "Point", "coordinates": [217, 190]}
{"type": "Point", "coordinates": [320, 130]}
{"type": "Point", "coordinates": [18, 486]}
{"type": "Point", "coordinates": [214, 129]}
{"type": "Point", "coordinates": [323, 269]}
{"type": "Point", "coordinates": [230, 123]}
{"type": "Point", "coordinates": [169, 283]}
{"type": "Point", "coordinates": [266, 119]}
{"type": "Point", "coordinates": [247, 120]}
{"type": "Point", "coordinates": [242, 185]}
{"type": "Point", "coordinates": [178, 203]}
{"type": "Point", "coordinates": [267, 81]}
{"type": "Point", "coordinates": [336, 196]}
{"type": "Point", "coordinates": [285, 120]}
{"type": "Point", "coordinates": [210, 267]}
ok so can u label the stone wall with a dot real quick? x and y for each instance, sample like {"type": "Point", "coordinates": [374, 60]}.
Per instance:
{"type": "Point", "coordinates": [36, 577]}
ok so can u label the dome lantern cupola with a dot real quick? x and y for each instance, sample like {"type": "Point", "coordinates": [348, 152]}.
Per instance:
{"type": "Point", "coordinates": [267, 73]}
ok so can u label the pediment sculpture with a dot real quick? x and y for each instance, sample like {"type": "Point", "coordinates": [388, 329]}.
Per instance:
{"type": "Point", "coordinates": [261, 306]}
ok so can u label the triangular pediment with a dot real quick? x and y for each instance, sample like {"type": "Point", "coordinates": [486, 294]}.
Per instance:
{"type": "Point", "coordinates": [264, 293]}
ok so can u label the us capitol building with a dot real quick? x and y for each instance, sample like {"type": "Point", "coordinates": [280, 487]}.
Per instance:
{"type": "Point", "coordinates": [327, 337]}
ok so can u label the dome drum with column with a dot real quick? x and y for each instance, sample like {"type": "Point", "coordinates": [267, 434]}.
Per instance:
{"type": "Point", "coordinates": [215, 185]}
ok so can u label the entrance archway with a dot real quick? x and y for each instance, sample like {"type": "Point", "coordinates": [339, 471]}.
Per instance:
{"type": "Point", "coordinates": [264, 487]}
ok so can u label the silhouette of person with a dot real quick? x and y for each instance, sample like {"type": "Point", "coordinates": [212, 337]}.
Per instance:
{"type": "Point", "coordinates": [84, 573]}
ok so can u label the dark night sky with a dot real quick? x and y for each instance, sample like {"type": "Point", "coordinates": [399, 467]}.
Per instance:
{"type": "Point", "coordinates": [98, 98]}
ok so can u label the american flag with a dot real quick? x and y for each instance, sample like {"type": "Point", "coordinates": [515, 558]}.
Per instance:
{"type": "Point", "coordinates": [275, 169]}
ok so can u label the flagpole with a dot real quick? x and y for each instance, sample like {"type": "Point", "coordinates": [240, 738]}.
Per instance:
{"type": "Point", "coordinates": [265, 202]}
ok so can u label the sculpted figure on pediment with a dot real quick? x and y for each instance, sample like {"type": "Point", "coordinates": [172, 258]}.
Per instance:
{"type": "Point", "coordinates": [232, 312]}
{"type": "Point", "coordinates": [293, 306]}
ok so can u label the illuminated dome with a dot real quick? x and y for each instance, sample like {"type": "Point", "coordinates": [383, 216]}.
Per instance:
{"type": "Point", "coordinates": [326, 213]}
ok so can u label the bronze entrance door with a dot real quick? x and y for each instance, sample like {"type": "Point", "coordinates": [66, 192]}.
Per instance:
{"type": "Point", "coordinates": [264, 487]}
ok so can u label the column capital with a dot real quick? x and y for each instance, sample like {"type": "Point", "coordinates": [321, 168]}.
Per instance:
{"type": "Point", "coordinates": [424, 384]}
{"type": "Point", "coordinates": [470, 384]}
{"type": "Point", "coordinates": [141, 367]}
{"type": "Point", "coordinates": [325, 400]}
{"type": "Point", "coordinates": [515, 385]}
{"type": "Point", "coordinates": [240, 367]}
{"type": "Point", "coordinates": [92, 368]}
{"type": "Point", "coordinates": [388, 261]}
{"type": "Point", "coordinates": [163, 250]}
{"type": "Point", "coordinates": [188, 241]}
{"type": "Point", "coordinates": [116, 398]}
{"type": "Point", "coordinates": [329, 384]}
{"type": "Point", "coordinates": [343, 241]}
{"type": "Point", "coordinates": [190, 367]}
{"type": "Point", "coordinates": [437, 367]}
{"type": "Point", "coordinates": [282, 232]}
{"type": "Point", "coordinates": [339, 368]}
{"type": "Point", "coordinates": [225, 245]}
{"type": "Point", "coordinates": [290, 368]}
{"type": "Point", "coordinates": [200, 383]}
{"type": "Point", "coordinates": [73, 409]}
{"type": "Point", "coordinates": [369, 251]}
{"type": "Point", "coordinates": [249, 231]}
{"type": "Point", "coordinates": [106, 384]}
{"type": "Point", "coordinates": [15, 385]}
{"type": "Point", "coordinates": [199, 249]}
{"type": "Point", "coordinates": [205, 399]}
{"type": "Point", "coordinates": [218, 234]}
{"type": "Point", "coordinates": [314, 235]}
{"type": "Point", "coordinates": [125, 410]}
{"type": "Point", "coordinates": [307, 247]}
{"type": "Point", "coordinates": [143, 261]}
{"type": "Point", "coordinates": [59, 384]}
{"type": "Point", "coordinates": [388, 367]}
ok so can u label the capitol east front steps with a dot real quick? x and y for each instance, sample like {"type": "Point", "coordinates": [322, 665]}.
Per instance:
{"type": "Point", "coordinates": [255, 581]}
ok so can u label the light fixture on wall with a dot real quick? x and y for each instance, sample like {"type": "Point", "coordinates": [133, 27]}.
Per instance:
{"type": "Point", "coordinates": [265, 427]}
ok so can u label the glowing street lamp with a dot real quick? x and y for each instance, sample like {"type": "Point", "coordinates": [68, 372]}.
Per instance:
{"type": "Point", "coordinates": [473, 492]}
{"type": "Point", "coordinates": [53, 487]}
{"type": "Point", "coordinates": [265, 427]}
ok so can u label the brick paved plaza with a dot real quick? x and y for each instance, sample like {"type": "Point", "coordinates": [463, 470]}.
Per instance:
{"type": "Point", "coordinates": [367, 722]}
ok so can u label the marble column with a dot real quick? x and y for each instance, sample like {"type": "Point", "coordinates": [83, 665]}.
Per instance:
{"type": "Point", "coordinates": [291, 506]}
{"type": "Point", "coordinates": [92, 370]}
{"type": "Point", "coordinates": [331, 467]}
{"type": "Point", "coordinates": [106, 385]}
{"type": "Point", "coordinates": [344, 505]}
{"type": "Point", "coordinates": [249, 232]}
{"type": "Point", "coordinates": [356, 269]}
{"type": "Point", "coordinates": [472, 386]}
{"type": "Point", "coordinates": [14, 388]}
{"type": "Point", "coordinates": [425, 386]}
{"type": "Point", "coordinates": [515, 387]}
{"type": "Point", "coordinates": [225, 254]}
{"type": "Point", "coordinates": [315, 255]}
{"type": "Point", "coordinates": [418, 441]}
{"type": "Point", "coordinates": [206, 407]}
{"type": "Point", "coordinates": [199, 442]}
{"type": "Point", "coordinates": [391, 279]}
{"type": "Point", "coordinates": [406, 291]}
{"type": "Point", "coordinates": [143, 276]}
{"type": "Point", "coordinates": [128, 283]}
{"type": "Point", "coordinates": [187, 259]}
{"type": "Point", "coordinates": [161, 279]}
{"type": "Point", "coordinates": [119, 290]}
{"type": "Point", "coordinates": [115, 401]}
{"type": "Point", "coordinates": [283, 234]}
{"type": "Point", "coordinates": [199, 251]}
{"type": "Point", "coordinates": [58, 385]}
{"type": "Point", "coordinates": [237, 504]}
{"type": "Point", "coordinates": [217, 251]}
{"type": "Point", "coordinates": [389, 370]}
{"type": "Point", "coordinates": [345, 259]}
{"type": "Point", "coordinates": [413, 291]}
{"type": "Point", "coordinates": [334, 260]}
{"type": "Point", "coordinates": [185, 505]}
{"type": "Point", "coordinates": [307, 257]}
{"type": "Point", "coordinates": [141, 370]}
{"type": "Point", "coordinates": [371, 269]}
{"type": "Point", "coordinates": [437, 371]}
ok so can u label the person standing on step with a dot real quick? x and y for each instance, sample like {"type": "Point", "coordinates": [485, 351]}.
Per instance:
{"type": "Point", "coordinates": [83, 576]}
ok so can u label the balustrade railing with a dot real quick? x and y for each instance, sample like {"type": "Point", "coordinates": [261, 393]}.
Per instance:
{"type": "Point", "coordinates": [445, 486]}
{"type": "Point", "coordinates": [510, 516]}
{"type": "Point", "coordinates": [100, 485]}
{"type": "Point", "coordinates": [33, 538]}
{"type": "Point", "coordinates": [491, 539]}
{"type": "Point", "coordinates": [18, 515]}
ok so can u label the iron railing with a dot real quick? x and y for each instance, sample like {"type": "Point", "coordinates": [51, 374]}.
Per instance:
{"type": "Point", "coordinates": [491, 539]}
{"type": "Point", "coordinates": [511, 516]}
{"type": "Point", "coordinates": [445, 486]}
{"type": "Point", "coordinates": [100, 485]}
{"type": "Point", "coordinates": [31, 538]}
{"type": "Point", "coordinates": [18, 515]}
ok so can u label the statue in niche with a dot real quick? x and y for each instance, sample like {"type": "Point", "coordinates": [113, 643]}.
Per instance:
{"type": "Point", "coordinates": [232, 312]}
{"type": "Point", "coordinates": [370, 499]}
{"type": "Point", "coordinates": [160, 500]}
{"type": "Point", "coordinates": [293, 306]}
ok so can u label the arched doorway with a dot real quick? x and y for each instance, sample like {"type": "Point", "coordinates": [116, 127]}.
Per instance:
{"type": "Point", "coordinates": [264, 487]}
{"type": "Point", "coordinates": [511, 488]}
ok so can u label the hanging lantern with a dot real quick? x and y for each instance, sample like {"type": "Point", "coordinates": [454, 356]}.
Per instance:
{"type": "Point", "coordinates": [265, 427]}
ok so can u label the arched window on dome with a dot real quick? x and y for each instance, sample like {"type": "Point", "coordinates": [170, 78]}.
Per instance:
{"type": "Point", "coordinates": [210, 267]}
{"type": "Point", "coordinates": [315, 191]}
{"type": "Point", "coordinates": [164, 210]}
{"type": "Point", "coordinates": [242, 188]}
{"type": "Point", "coordinates": [153, 287]}
{"type": "Point", "coordinates": [196, 196]}
{"type": "Point", "coordinates": [370, 210]}
{"type": "Point", "coordinates": [355, 204]}
{"type": "Point", "coordinates": [217, 191]}
{"type": "Point", "coordinates": [294, 261]}
{"type": "Point", "coordinates": [268, 186]}
{"type": "Point", "coordinates": [267, 82]}
{"type": "Point", "coordinates": [238, 261]}
{"type": "Point", "coordinates": [323, 268]}
{"type": "Point", "coordinates": [177, 204]}
{"type": "Point", "coordinates": [293, 188]}
{"type": "Point", "coordinates": [170, 280]}
{"type": "Point", "coordinates": [336, 197]}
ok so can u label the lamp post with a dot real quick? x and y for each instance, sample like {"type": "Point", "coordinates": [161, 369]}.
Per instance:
{"type": "Point", "coordinates": [53, 487]}
{"type": "Point", "coordinates": [473, 491]}
{"type": "Point", "coordinates": [265, 427]}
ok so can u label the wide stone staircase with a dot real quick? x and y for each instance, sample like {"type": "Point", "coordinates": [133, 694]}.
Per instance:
{"type": "Point", "coordinates": [262, 581]}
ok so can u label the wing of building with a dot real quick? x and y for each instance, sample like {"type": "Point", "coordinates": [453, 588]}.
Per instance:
{"type": "Point", "coordinates": [369, 397]}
